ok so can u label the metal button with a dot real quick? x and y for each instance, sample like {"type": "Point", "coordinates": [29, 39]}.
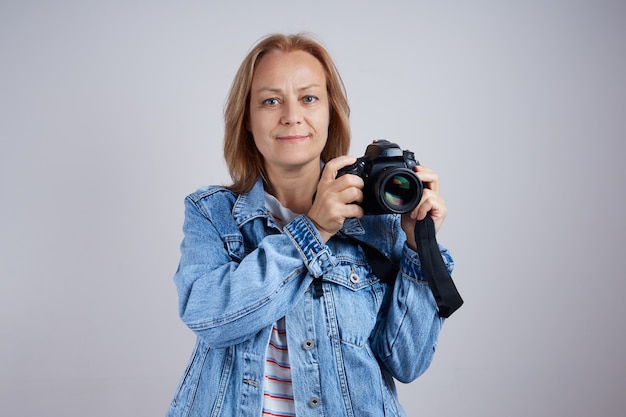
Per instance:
{"type": "Point", "coordinates": [354, 278]}
{"type": "Point", "coordinates": [315, 402]}
{"type": "Point", "coordinates": [308, 344]}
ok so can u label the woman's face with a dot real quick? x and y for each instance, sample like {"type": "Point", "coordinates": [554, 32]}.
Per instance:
{"type": "Point", "coordinates": [289, 110]}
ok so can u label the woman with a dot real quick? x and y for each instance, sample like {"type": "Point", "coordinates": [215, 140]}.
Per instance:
{"type": "Point", "coordinates": [289, 317]}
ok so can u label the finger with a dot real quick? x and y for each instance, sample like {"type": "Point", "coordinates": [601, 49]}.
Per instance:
{"type": "Point", "coordinates": [335, 164]}
{"type": "Point", "coordinates": [429, 178]}
{"type": "Point", "coordinates": [352, 194]}
{"type": "Point", "coordinates": [422, 210]}
{"type": "Point", "coordinates": [430, 202]}
{"type": "Point", "coordinates": [352, 211]}
{"type": "Point", "coordinates": [350, 181]}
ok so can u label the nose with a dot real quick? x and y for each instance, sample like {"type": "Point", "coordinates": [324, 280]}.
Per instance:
{"type": "Point", "coordinates": [291, 114]}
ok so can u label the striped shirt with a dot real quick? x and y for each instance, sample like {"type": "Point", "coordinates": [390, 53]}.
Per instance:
{"type": "Point", "coordinates": [277, 387]}
{"type": "Point", "coordinates": [278, 391]}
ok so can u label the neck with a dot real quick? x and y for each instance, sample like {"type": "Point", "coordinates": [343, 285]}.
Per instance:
{"type": "Point", "coordinates": [294, 189]}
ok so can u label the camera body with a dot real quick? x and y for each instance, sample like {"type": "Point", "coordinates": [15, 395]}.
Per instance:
{"type": "Point", "coordinates": [391, 185]}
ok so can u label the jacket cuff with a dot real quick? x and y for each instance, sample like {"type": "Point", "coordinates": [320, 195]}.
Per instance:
{"type": "Point", "coordinates": [411, 266]}
{"type": "Point", "coordinates": [315, 253]}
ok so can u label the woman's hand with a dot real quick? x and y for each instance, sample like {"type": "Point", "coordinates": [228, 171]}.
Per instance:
{"type": "Point", "coordinates": [334, 198]}
{"type": "Point", "coordinates": [431, 204]}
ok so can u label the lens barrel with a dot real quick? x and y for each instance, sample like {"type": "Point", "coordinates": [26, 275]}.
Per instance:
{"type": "Point", "coordinates": [398, 190]}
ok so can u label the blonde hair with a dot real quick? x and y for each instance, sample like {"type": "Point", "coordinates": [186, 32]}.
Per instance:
{"type": "Point", "coordinates": [244, 161]}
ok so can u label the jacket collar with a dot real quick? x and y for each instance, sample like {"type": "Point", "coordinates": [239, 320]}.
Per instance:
{"type": "Point", "coordinates": [250, 205]}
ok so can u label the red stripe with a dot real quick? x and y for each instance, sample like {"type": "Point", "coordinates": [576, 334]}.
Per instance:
{"type": "Point", "coordinates": [285, 397]}
{"type": "Point", "coordinates": [279, 331]}
{"type": "Point", "coordinates": [277, 347]}
{"type": "Point", "coordinates": [278, 364]}
{"type": "Point", "coordinates": [267, 413]}
{"type": "Point", "coordinates": [276, 379]}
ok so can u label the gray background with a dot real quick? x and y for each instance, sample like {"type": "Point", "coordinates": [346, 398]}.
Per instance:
{"type": "Point", "coordinates": [110, 113]}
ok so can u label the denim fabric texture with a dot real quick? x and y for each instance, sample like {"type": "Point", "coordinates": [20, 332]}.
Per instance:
{"type": "Point", "coordinates": [349, 334]}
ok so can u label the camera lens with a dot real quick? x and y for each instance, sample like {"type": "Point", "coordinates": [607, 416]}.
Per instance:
{"type": "Point", "coordinates": [400, 191]}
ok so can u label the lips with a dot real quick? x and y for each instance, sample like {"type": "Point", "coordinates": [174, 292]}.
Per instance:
{"type": "Point", "coordinates": [292, 138]}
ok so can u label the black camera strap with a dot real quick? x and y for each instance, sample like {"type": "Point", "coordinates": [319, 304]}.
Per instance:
{"type": "Point", "coordinates": [433, 267]}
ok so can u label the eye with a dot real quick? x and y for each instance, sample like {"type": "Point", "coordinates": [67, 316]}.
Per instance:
{"type": "Point", "coordinates": [271, 101]}
{"type": "Point", "coordinates": [309, 99]}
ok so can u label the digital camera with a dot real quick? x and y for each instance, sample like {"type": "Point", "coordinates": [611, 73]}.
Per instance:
{"type": "Point", "coordinates": [391, 185]}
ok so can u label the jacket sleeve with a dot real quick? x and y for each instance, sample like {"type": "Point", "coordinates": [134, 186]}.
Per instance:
{"type": "Point", "coordinates": [409, 324]}
{"type": "Point", "coordinates": [226, 300]}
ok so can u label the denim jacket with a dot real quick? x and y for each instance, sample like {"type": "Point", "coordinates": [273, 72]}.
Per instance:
{"type": "Point", "coordinates": [349, 334]}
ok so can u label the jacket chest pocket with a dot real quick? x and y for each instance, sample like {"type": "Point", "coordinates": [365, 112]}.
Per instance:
{"type": "Point", "coordinates": [353, 298]}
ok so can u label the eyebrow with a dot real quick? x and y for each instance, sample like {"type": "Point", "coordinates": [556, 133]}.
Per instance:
{"type": "Point", "coordinates": [278, 90]}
